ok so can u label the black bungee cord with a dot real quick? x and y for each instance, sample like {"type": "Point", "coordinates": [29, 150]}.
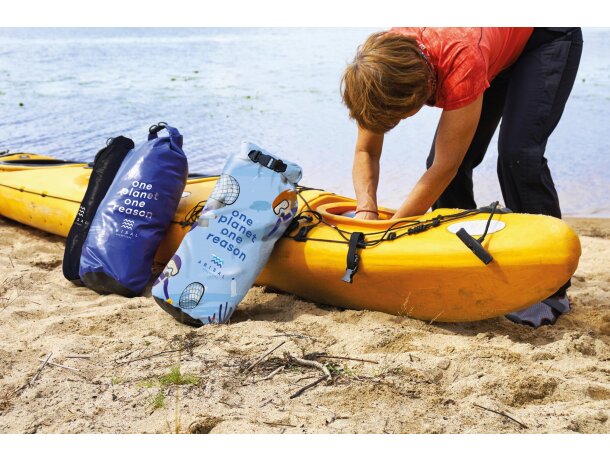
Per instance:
{"type": "Point", "coordinates": [389, 234]}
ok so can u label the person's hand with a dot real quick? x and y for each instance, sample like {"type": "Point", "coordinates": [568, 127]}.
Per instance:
{"type": "Point", "coordinates": [367, 215]}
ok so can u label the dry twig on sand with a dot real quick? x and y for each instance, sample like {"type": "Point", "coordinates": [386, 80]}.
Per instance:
{"type": "Point", "coordinates": [308, 363]}
{"type": "Point", "coordinates": [251, 366]}
{"type": "Point", "coordinates": [316, 355]}
{"type": "Point", "coordinates": [119, 363]}
{"type": "Point", "coordinates": [42, 366]}
{"type": "Point", "coordinates": [6, 396]}
{"type": "Point", "coordinates": [5, 302]}
{"type": "Point", "coordinates": [271, 375]}
{"type": "Point", "coordinates": [279, 424]}
{"type": "Point", "coordinates": [292, 334]}
{"type": "Point", "coordinates": [307, 387]}
{"type": "Point", "coordinates": [50, 363]}
{"type": "Point", "coordinates": [503, 414]}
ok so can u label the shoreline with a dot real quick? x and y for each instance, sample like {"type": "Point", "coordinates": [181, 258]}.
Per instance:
{"type": "Point", "coordinates": [131, 368]}
{"type": "Point", "coordinates": [590, 226]}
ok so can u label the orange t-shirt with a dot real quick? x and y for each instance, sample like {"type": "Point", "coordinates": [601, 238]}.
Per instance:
{"type": "Point", "coordinates": [467, 59]}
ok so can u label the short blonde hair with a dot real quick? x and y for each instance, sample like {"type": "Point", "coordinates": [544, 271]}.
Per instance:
{"type": "Point", "coordinates": [387, 79]}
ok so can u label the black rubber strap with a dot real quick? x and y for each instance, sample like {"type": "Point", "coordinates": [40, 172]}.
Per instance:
{"type": "Point", "coordinates": [353, 259]}
{"type": "Point", "coordinates": [301, 235]}
{"type": "Point", "coordinates": [493, 206]}
{"type": "Point", "coordinates": [267, 161]}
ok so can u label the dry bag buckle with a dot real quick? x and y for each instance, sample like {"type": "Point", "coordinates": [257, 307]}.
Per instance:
{"type": "Point", "coordinates": [267, 161]}
{"type": "Point", "coordinates": [154, 129]}
{"type": "Point", "coordinates": [353, 259]}
{"type": "Point", "coordinates": [350, 272]}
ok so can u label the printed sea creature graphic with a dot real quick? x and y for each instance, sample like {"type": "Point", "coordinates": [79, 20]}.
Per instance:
{"type": "Point", "coordinates": [285, 207]}
{"type": "Point", "coordinates": [224, 313]}
{"type": "Point", "coordinates": [171, 269]}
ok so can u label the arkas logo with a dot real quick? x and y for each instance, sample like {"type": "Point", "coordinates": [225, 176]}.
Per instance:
{"type": "Point", "coordinates": [217, 260]}
{"type": "Point", "coordinates": [80, 216]}
{"type": "Point", "coordinates": [127, 224]}
{"type": "Point", "coordinates": [126, 230]}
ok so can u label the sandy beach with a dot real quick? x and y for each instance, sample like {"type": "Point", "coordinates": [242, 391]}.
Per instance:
{"type": "Point", "coordinates": [131, 368]}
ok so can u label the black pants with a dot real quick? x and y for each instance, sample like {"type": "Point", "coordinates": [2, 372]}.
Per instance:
{"type": "Point", "coordinates": [529, 97]}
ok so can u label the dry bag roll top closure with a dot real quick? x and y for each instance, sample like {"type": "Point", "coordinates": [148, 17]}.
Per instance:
{"type": "Point", "coordinates": [134, 216]}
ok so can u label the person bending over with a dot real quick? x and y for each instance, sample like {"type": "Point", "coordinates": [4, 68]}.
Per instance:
{"type": "Point", "coordinates": [477, 76]}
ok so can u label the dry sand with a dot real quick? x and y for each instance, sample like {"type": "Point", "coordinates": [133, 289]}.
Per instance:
{"type": "Point", "coordinates": [425, 378]}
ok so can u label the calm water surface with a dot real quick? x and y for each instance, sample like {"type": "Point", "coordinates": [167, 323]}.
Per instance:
{"type": "Point", "coordinates": [64, 91]}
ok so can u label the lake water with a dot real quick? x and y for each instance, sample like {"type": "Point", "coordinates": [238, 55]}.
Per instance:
{"type": "Point", "coordinates": [64, 91]}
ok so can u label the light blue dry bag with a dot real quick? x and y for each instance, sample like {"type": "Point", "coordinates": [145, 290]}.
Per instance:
{"type": "Point", "coordinates": [221, 256]}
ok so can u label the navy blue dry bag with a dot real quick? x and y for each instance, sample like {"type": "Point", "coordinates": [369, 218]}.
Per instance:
{"type": "Point", "coordinates": [134, 216]}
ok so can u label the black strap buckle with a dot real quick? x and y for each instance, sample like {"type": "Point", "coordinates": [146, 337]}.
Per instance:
{"type": "Point", "coordinates": [348, 277]}
{"type": "Point", "coordinates": [301, 235]}
{"type": "Point", "coordinates": [353, 259]}
{"type": "Point", "coordinates": [267, 161]}
{"type": "Point", "coordinates": [294, 224]}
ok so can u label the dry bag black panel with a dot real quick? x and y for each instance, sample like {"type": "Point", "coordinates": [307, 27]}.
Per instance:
{"type": "Point", "coordinates": [106, 164]}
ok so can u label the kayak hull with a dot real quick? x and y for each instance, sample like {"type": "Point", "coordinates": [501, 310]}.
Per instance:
{"type": "Point", "coordinates": [429, 275]}
{"type": "Point", "coordinates": [49, 198]}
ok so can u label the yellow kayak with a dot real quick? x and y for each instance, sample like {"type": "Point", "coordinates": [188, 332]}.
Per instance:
{"type": "Point", "coordinates": [423, 269]}
{"type": "Point", "coordinates": [419, 267]}
{"type": "Point", "coordinates": [25, 161]}
{"type": "Point", "coordinates": [48, 198]}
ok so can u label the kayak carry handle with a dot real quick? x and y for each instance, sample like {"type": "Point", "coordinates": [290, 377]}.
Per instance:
{"type": "Point", "coordinates": [474, 246]}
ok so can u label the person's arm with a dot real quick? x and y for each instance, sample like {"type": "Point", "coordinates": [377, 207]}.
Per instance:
{"type": "Point", "coordinates": [456, 129]}
{"type": "Point", "coordinates": [365, 172]}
